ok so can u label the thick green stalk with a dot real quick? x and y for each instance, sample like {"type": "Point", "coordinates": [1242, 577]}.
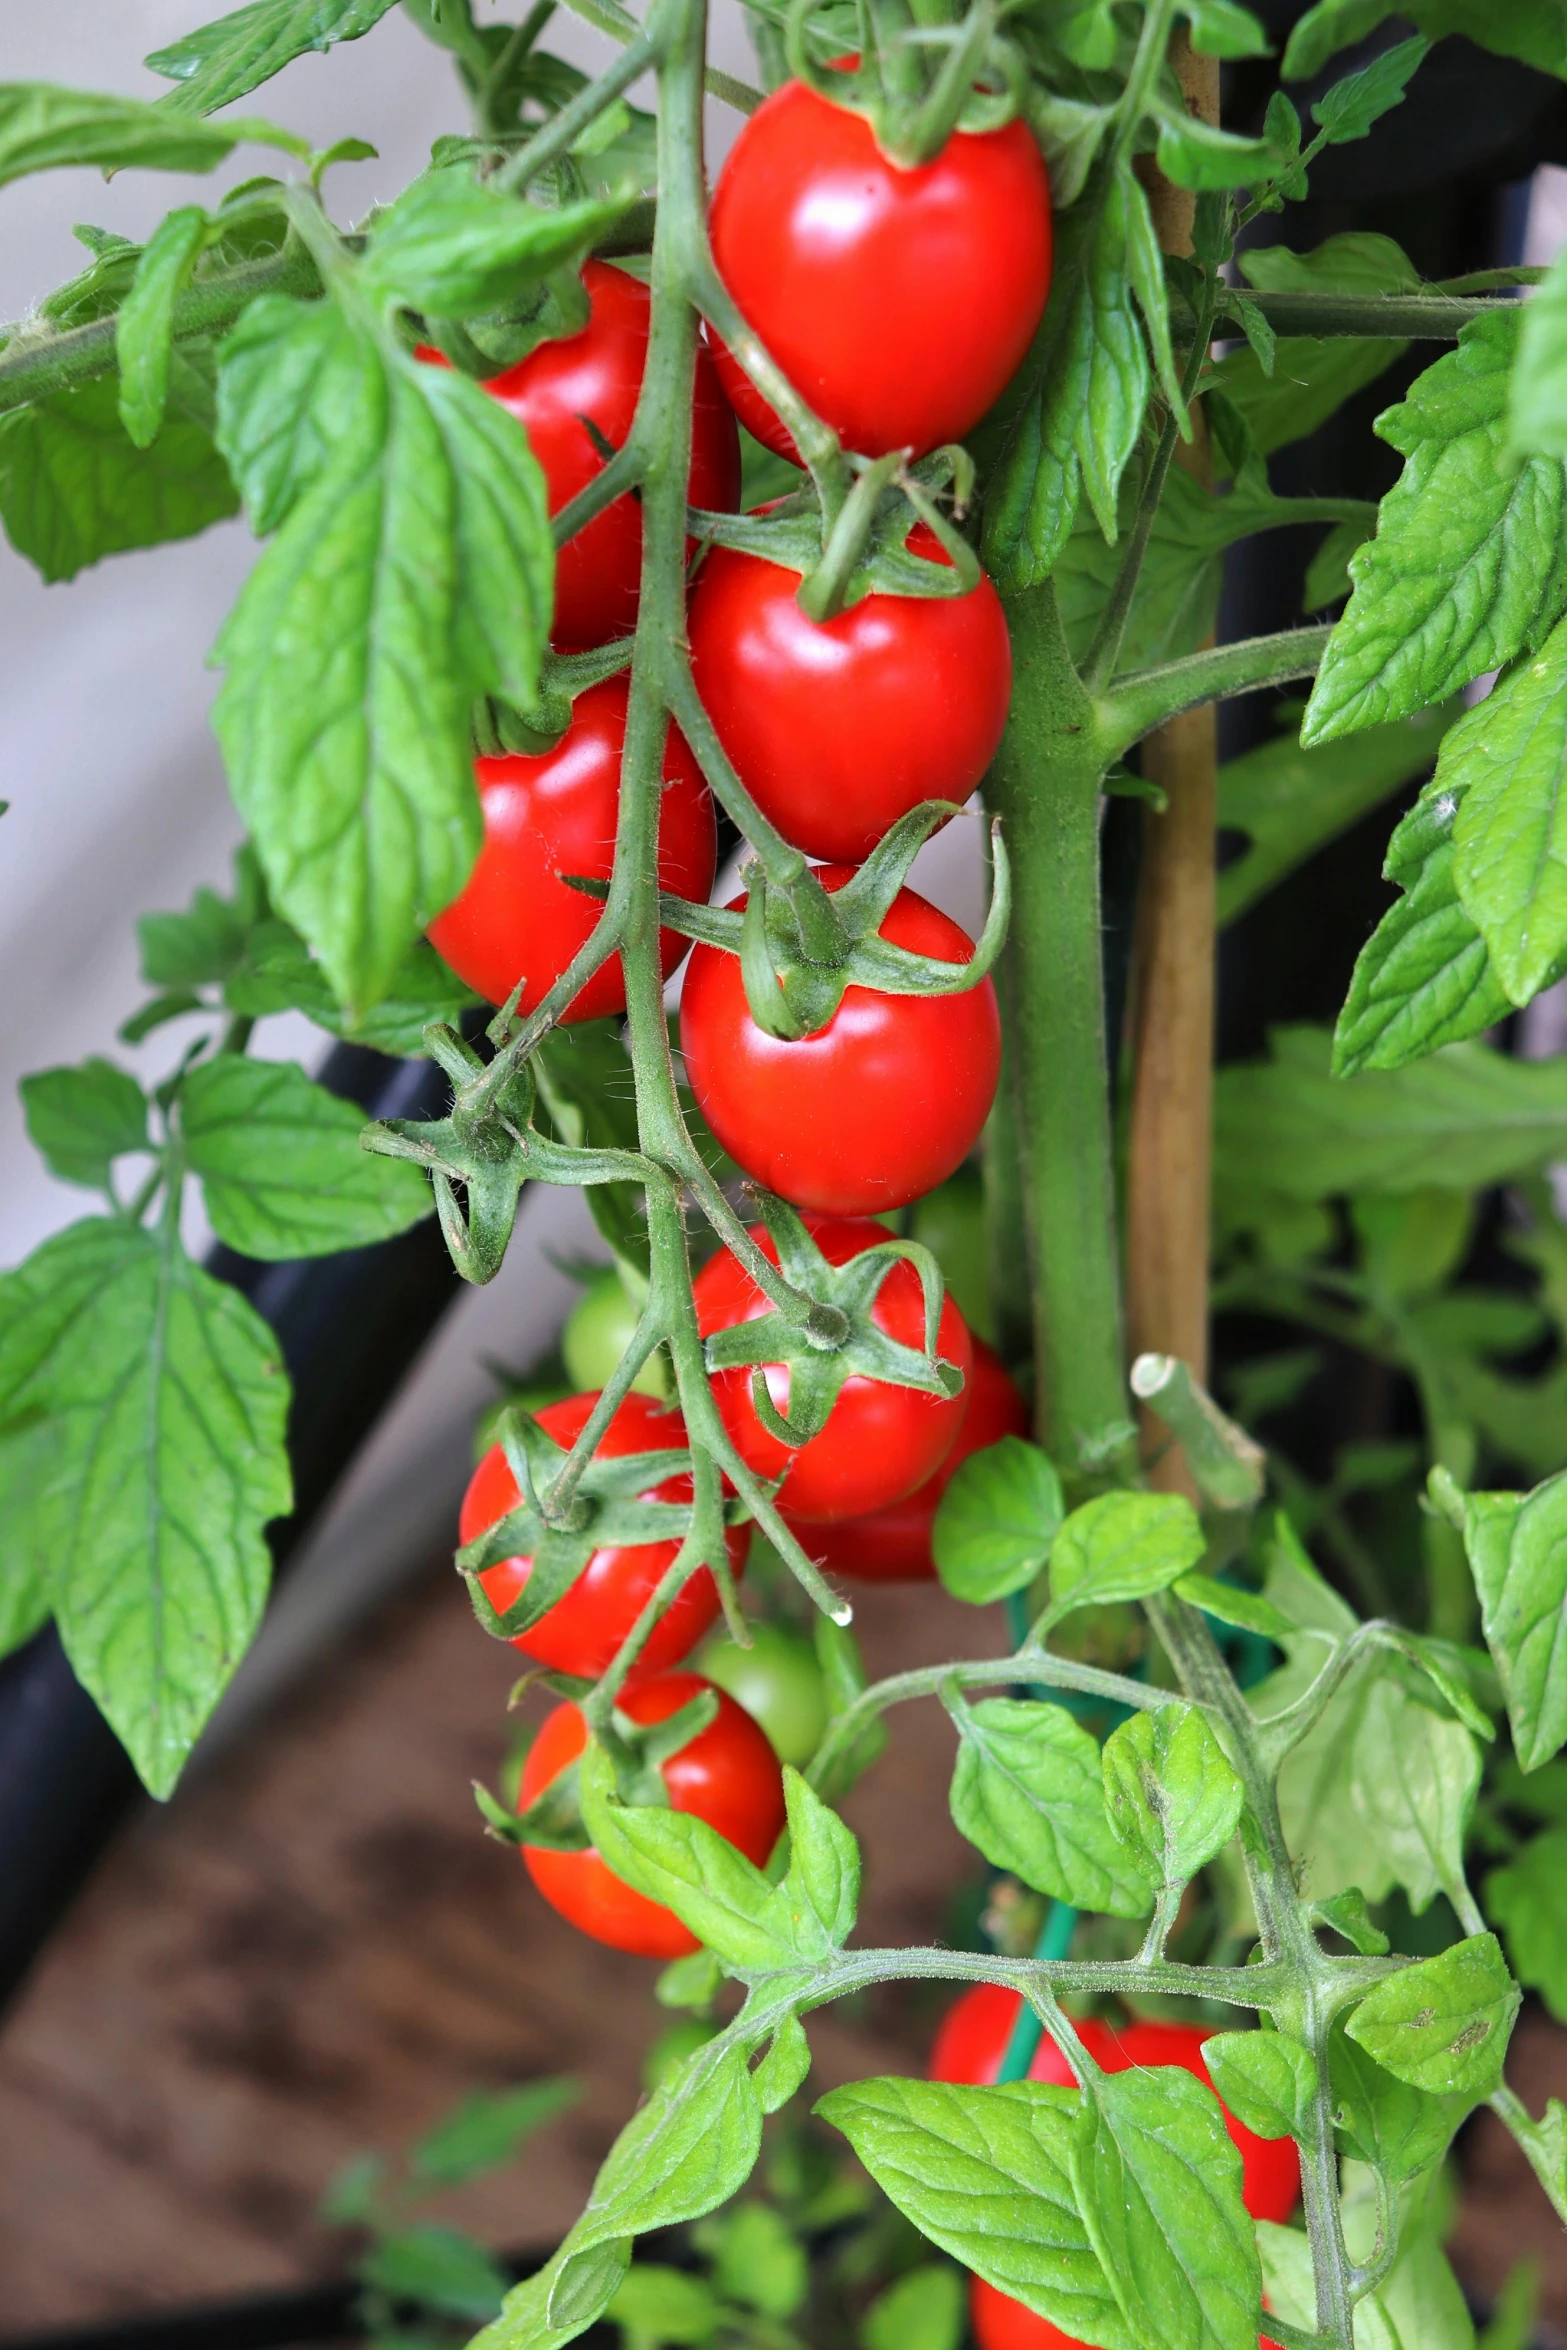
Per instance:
{"type": "Point", "coordinates": [1045, 787]}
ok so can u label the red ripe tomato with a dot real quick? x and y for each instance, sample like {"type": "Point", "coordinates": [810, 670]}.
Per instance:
{"type": "Point", "coordinates": [872, 1111]}
{"type": "Point", "coordinates": [973, 2038]}
{"type": "Point", "coordinates": [892, 1545]}
{"type": "Point", "coordinates": [839, 727]}
{"type": "Point", "coordinates": [727, 1775]}
{"type": "Point", "coordinates": [1000, 2323]}
{"type": "Point", "coordinates": [593, 378]}
{"type": "Point", "coordinates": [553, 815]}
{"type": "Point", "coordinates": [898, 303]}
{"type": "Point", "coordinates": [880, 1441]}
{"type": "Point", "coordinates": [583, 1631]}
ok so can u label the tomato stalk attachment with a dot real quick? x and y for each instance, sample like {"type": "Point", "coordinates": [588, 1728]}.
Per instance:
{"type": "Point", "coordinates": [915, 83]}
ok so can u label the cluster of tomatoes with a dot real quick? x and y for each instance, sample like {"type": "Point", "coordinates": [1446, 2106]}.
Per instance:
{"type": "Point", "coordinates": [899, 302]}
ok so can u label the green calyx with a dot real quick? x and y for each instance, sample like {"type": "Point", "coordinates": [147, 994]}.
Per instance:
{"type": "Point", "coordinates": [916, 82]}
{"type": "Point", "coordinates": [801, 946]}
{"type": "Point", "coordinates": [500, 729]}
{"type": "Point", "coordinates": [864, 551]}
{"type": "Point", "coordinates": [637, 1751]}
{"type": "Point", "coordinates": [840, 1338]}
{"type": "Point", "coordinates": [487, 1146]}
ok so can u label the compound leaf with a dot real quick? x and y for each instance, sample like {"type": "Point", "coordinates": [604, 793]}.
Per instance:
{"type": "Point", "coordinates": [1027, 1791]}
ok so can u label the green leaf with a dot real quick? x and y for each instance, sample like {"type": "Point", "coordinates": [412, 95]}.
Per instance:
{"type": "Point", "coordinates": [1028, 1792]}
{"type": "Point", "coordinates": [1122, 1546]}
{"type": "Point", "coordinates": [1466, 569]}
{"type": "Point", "coordinates": [656, 2304]}
{"type": "Point", "coordinates": [1358, 261]}
{"type": "Point", "coordinates": [74, 487]}
{"type": "Point", "coordinates": [782, 2070]}
{"type": "Point", "coordinates": [822, 1886]}
{"type": "Point", "coordinates": [1425, 976]}
{"type": "Point", "coordinates": [1232, 1603]}
{"type": "Point", "coordinates": [1349, 109]}
{"type": "Point", "coordinates": [1079, 429]}
{"type": "Point", "coordinates": [487, 2129]}
{"type": "Point", "coordinates": [1530, 29]}
{"type": "Point", "coordinates": [280, 1160]}
{"type": "Point", "coordinates": [1517, 1546]}
{"type": "Point", "coordinates": [1346, 1913]}
{"type": "Point", "coordinates": [144, 331]}
{"type": "Point", "coordinates": [411, 575]}
{"type": "Point", "coordinates": [1414, 1778]}
{"type": "Point", "coordinates": [1221, 29]}
{"type": "Point", "coordinates": [44, 127]}
{"type": "Point", "coordinates": [690, 2148]}
{"type": "Point", "coordinates": [164, 1399]}
{"type": "Point", "coordinates": [677, 1859]}
{"type": "Point", "coordinates": [1170, 1793]}
{"type": "Point", "coordinates": [24, 1561]}
{"type": "Point", "coordinates": [1267, 2079]}
{"type": "Point", "coordinates": [453, 246]}
{"type": "Point", "coordinates": [1381, 2120]}
{"type": "Point", "coordinates": [996, 1521]}
{"type": "Point", "coordinates": [1312, 376]}
{"type": "Point", "coordinates": [437, 2268]}
{"type": "Point", "coordinates": [759, 2260]}
{"type": "Point", "coordinates": [923, 2310]}
{"type": "Point", "coordinates": [1507, 758]}
{"type": "Point", "coordinates": [1159, 2186]}
{"type": "Point", "coordinates": [1287, 1126]}
{"type": "Point", "coordinates": [1290, 802]}
{"type": "Point", "coordinates": [222, 61]}
{"type": "Point", "coordinates": [208, 940]}
{"type": "Point", "coordinates": [1528, 1900]}
{"type": "Point", "coordinates": [1197, 154]}
{"type": "Point", "coordinates": [986, 2175]}
{"type": "Point", "coordinates": [295, 382]}
{"type": "Point", "coordinates": [82, 1119]}
{"type": "Point", "coordinates": [1442, 2024]}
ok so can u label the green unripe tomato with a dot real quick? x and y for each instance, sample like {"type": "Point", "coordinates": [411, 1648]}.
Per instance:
{"type": "Point", "coordinates": [673, 2045]}
{"type": "Point", "coordinates": [779, 1683]}
{"type": "Point", "coordinates": [598, 1332]}
{"type": "Point", "coordinates": [950, 1222]}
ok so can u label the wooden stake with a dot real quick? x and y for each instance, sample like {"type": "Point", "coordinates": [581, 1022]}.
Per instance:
{"type": "Point", "coordinates": [1169, 1159]}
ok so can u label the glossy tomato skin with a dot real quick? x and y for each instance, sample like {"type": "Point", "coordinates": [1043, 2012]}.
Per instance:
{"type": "Point", "coordinates": [839, 727]}
{"type": "Point", "coordinates": [880, 1441]}
{"type": "Point", "coordinates": [583, 1631]}
{"type": "Point", "coordinates": [597, 375]}
{"type": "Point", "coordinates": [892, 1545]}
{"type": "Point", "coordinates": [972, 2041]}
{"type": "Point", "coordinates": [552, 815]}
{"type": "Point", "coordinates": [1000, 2323]}
{"type": "Point", "coordinates": [727, 1775]}
{"type": "Point", "coordinates": [872, 1111]}
{"type": "Point", "coordinates": [898, 303]}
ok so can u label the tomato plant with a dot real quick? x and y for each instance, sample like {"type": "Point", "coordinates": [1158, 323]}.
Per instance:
{"type": "Point", "coordinates": [892, 1544]}
{"type": "Point", "coordinates": [880, 1441]}
{"type": "Point", "coordinates": [549, 819]}
{"type": "Point", "coordinates": [583, 1631]}
{"type": "Point", "coordinates": [726, 1775]}
{"type": "Point", "coordinates": [1273, 1729]}
{"type": "Point", "coordinates": [898, 301]}
{"type": "Point", "coordinates": [874, 1108]}
{"type": "Point", "coordinates": [840, 727]}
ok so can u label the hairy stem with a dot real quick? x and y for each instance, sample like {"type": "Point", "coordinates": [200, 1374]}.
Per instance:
{"type": "Point", "coordinates": [1146, 698]}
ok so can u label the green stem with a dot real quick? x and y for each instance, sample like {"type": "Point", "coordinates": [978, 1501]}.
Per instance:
{"type": "Point", "coordinates": [607, 17]}
{"type": "Point", "coordinates": [1045, 787]}
{"type": "Point", "coordinates": [1438, 318]}
{"type": "Point", "coordinates": [561, 133]}
{"type": "Point", "coordinates": [1144, 698]}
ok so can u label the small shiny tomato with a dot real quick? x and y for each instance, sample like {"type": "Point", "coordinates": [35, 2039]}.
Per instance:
{"type": "Point", "coordinates": [880, 1441]}
{"type": "Point", "coordinates": [872, 1111]}
{"type": "Point", "coordinates": [598, 1331]}
{"type": "Point", "coordinates": [727, 1775]}
{"type": "Point", "coordinates": [898, 303]}
{"type": "Point", "coordinates": [778, 1681]}
{"type": "Point", "coordinates": [973, 2038]}
{"type": "Point", "coordinates": [574, 396]}
{"type": "Point", "coordinates": [545, 817]}
{"type": "Point", "coordinates": [839, 727]}
{"type": "Point", "coordinates": [892, 1545]}
{"type": "Point", "coordinates": [583, 1631]}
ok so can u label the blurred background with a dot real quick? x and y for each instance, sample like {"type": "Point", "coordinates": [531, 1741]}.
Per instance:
{"type": "Point", "coordinates": [313, 1950]}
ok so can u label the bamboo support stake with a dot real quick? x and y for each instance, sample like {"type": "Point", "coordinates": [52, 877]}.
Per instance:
{"type": "Point", "coordinates": [1169, 1160]}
